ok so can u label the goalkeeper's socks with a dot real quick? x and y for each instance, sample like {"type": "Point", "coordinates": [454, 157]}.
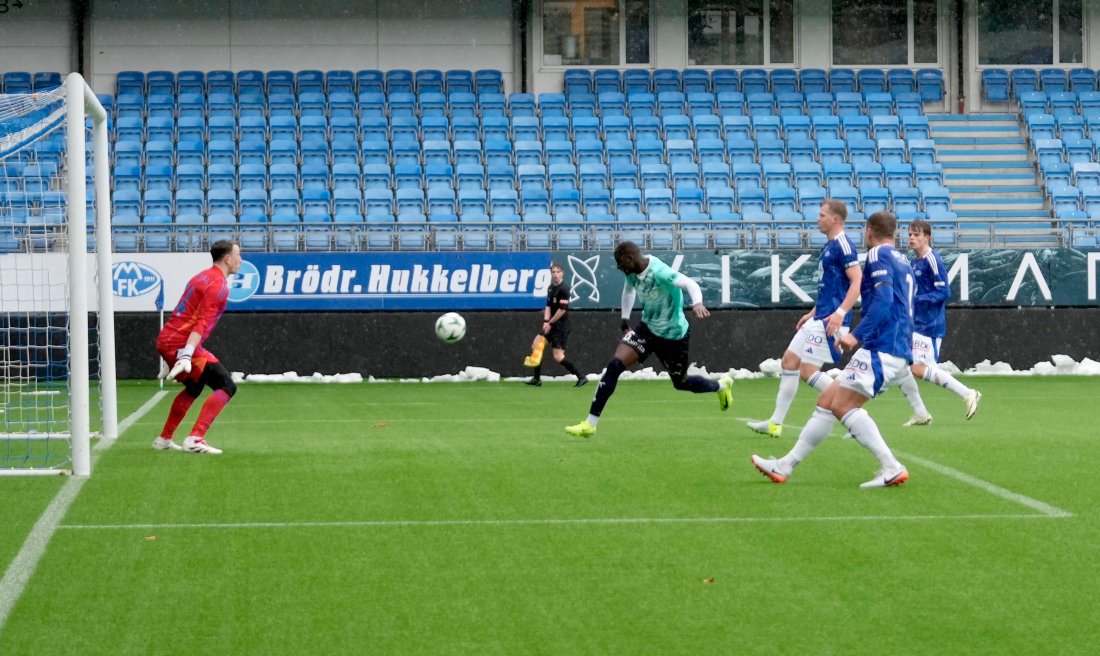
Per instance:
{"type": "Point", "coordinates": [180, 406]}
{"type": "Point", "coordinates": [210, 409]}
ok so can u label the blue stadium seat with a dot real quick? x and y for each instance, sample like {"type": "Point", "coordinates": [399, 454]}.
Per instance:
{"type": "Point", "coordinates": [995, 84]}
{"type": "Point", "coordinates": [488, 81]}
{"type": "Point", "coordinates": [160, 83]}
{"type": "Point", "coordinates": [930, 84]}
{"type": "Point", "coordinates": [666, 80]}
{"type": "Point", "coordinates": [842, 80]}
{"type": "Point", "coordinates": [725, 80]}
{"type": "Point", "coordinates": [577, 80]}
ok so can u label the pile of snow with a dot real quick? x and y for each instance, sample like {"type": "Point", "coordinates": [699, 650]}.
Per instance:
{"type": "Point", "coordinates": [293, 377]}
{"type": "Point", "coordinates": [1059, 365]}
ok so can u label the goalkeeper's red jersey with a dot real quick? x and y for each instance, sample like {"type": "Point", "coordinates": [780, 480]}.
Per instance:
{"type": "Point", "coordinates": [198, 310]}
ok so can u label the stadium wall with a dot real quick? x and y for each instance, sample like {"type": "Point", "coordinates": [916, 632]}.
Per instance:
{"type": "Point", "coordinates": [258, 34]}
{"type": "Point", "coordinates": [403, 344]}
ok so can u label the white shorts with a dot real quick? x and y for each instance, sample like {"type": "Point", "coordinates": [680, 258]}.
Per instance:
{"type": "Point", "coordinates": [871, 372]}
{"type": "Point", "coordinates": [813, 346]}
{"type": "Point", "coordinates": [926, 350]}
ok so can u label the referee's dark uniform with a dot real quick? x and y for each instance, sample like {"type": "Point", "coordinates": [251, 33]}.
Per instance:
{"type": "Point", "coordinates": [557, 298]}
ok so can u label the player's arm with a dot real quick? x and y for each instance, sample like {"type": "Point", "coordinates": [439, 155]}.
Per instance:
{"type": "Point", "coordinates": [941, 289]}
{"type": "Point", "coordinates": [694, 293]}
{"type": "Point", "coordinates": [855, 277]}
{"type": "Point", "coordinates": [627, 305]}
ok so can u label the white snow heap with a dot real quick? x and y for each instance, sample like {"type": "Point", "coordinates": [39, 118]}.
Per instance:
{"type": "Point", "coordinates": [1058, 365]}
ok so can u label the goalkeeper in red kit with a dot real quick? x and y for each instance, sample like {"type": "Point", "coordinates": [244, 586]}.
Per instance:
{"type": "Point", "coordinates": [180, 344]}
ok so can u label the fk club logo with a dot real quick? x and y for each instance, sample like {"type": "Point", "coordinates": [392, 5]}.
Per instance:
{"type": "Point", "coordinates": [584, 278]}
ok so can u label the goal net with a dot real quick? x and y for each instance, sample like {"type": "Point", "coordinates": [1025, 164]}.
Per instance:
{"type": "Point", "coordinates": [57, 381]}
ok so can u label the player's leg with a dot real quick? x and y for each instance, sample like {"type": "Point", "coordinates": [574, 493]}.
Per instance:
{"type": "Point", "coordinates": [217, 377]}
{"type": "Point", "coordinates": [631, 349]}
{"type": "Point", "coordinates": [673, 355]}
{"type": "Point", "coordinates": [815, 431]}
{"type": "Point", "coordinates": [809, 349]}
{"type": "Point", "coordinates": [180, 405]}
{"type": "Point", "coordinates": [934, 374]}
{"type": "Point", "coordinates": [924, 355]}
{"type": "Point", "coordinates": [867, 374]}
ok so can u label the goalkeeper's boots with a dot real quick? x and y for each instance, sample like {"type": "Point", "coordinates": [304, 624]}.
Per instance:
{"type": "Point", "coordinates": [725, 392]}
{"type": "Point", "coordinates": [583, 429]}
{"type": "Point", "coordinates": [887, 478]}
{"type": "Point", "coordinates": [166, 444]}
{"type": "Point", "coordinates": [195, 444]}
{"type": "Point", "coordinates": [767, 427]}
{"type": "Point", "coordinates": [971, 401]}
{"type": "Point", "coordinates": [771, 468]}
{"type": "Point", "coordinates": [919, 420]}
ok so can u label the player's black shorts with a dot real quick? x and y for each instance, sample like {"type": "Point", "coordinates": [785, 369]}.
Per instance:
{"type": "Point", "coordinates": [672, 353]}
{"type": "Point", "coordinates": [558, 335]}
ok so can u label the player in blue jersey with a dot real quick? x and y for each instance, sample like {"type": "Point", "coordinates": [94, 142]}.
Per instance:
{"type": "Point", "coordinates": [663, 331]}
{"type": "Point", "coordinates": [884, 337]}
{"type": "Point", "coordinates": [929, 327]}
{"type": "Point", "coordinates": [814, 343]}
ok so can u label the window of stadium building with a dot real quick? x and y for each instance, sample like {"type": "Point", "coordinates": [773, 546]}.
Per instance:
{"type": "Point", "coordinates": [740, 32]}
{"type": "Point", "coordinates": [595, 32]}
{"type": "Point", "coordinates": [1030, 32]}
{"type": "Point", "coordinates": [884, 33]}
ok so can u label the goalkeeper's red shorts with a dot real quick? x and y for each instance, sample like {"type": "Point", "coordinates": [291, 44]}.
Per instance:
{"type": "Point", "coordinates": [199, 360]}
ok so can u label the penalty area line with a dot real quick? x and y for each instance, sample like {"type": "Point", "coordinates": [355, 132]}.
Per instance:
{"type": "Point", "coordinates": [22, 567]}
{"type": "Point", "coordinates": [995, 490]}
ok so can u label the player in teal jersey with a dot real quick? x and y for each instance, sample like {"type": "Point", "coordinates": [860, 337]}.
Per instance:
{"type": "Point", "coordinates": [663, 331]}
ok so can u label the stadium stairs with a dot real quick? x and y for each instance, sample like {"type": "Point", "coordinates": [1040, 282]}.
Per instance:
{"type": "Point", "coordinates": [995, 189]}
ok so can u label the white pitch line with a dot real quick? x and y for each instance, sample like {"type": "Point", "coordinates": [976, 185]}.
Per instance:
{"type": "Point", "coordinates": [608, 521]}
{"type": "Point", "coordinates": [995, 490]}
{"type": "Point", "coordinates": [22, 567]}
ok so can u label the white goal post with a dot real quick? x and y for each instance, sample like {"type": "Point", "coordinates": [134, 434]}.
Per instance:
{"type": "Point", "coordinates": [46, 322]}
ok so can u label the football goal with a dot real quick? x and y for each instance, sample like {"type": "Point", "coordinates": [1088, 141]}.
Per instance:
{"type": "Point", "coordinates": [57, 366]}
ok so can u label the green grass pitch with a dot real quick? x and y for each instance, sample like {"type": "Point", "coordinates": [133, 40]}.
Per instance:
{"type": "Point", "coordinates": [461, 519]}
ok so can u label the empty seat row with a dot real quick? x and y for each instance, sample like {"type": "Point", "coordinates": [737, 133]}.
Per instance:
{"type": "Point", "coordinates": [463, 104]}
{"type": "Point", "coordinates": [225, 177]}
{"type": "Point", "coordinates": [517, 128]}
{"type": "Point", "coordinates": [25, 82]}
{"type": "Point", "coordinates": [1060, 103]}
{"type": "Point", "coordinates": [1000, 84]}
{"type": "Point", "coordinates": [734, 149]}
{"type": "Point", "coordinates": [282, 81]}
{"type": "Point", "coordinates": [927, 82]}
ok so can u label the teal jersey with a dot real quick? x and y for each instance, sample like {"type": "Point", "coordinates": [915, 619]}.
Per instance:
{"type": "Point", "coordinates": [662, 301]}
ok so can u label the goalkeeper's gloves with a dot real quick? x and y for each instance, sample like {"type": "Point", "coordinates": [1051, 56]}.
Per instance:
{"type": "Point", "coordinates": [624, 324]}
{"type": "Point", "coordinates": [183, 362]}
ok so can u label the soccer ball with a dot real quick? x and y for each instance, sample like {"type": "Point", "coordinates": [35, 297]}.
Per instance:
{"type": "Point", "coordinates": [450, 327]}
